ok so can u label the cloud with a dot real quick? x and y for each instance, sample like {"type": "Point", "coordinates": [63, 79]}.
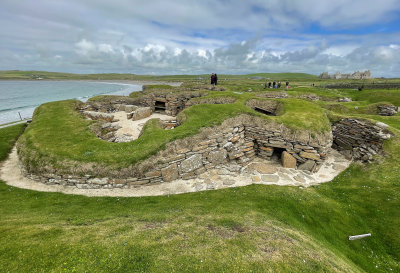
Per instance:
{"type": "Point", "coordinates": [228, 36]}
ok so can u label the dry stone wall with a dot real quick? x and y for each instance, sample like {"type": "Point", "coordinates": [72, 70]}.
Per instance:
{"type": "Point", "coordinates": [233, 144]}
{"type": "Point", "coordinates": [388, 110]}
{"type": "Point", "coordinates": [170, 103]}
{"type": "Point", "coordinates": [359, 140]}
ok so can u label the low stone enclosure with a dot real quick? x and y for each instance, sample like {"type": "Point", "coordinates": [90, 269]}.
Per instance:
{"type": "Point", "coordinates": [168, 103]}
{"type": "Point", "coordinates": [235, 143]}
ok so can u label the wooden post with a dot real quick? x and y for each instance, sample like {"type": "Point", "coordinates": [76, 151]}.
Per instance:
{"type": "Point", "coordinates": [19, 115]}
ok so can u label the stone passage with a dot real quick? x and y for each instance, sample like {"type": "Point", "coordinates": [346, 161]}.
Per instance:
{"type": "Point", "coordinates": [359, 140]}
{"type": "Point", "coordinates": [266, 107]}
{"type": "Point", "coordinates": [159, 106]}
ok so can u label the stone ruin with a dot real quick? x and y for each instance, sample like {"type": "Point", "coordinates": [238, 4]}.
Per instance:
{"type": "Point", "coordinates": [354, 76]}
{"type": "Point", "coordinates": [169, 104]}
{"type": "Point", "coordinates": [266, 107]}
{"type": "Point", "coordinates": [234, 143]}
{"type": "Point", "coordinates": [388, 110]}
{"type": "Point", "coordinates": [359, 140]}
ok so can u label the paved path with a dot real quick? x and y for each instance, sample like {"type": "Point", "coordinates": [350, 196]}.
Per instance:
{"type": "Point", "coordinates": [258, 172]}
{"type": "Point", "coordinates": [14, 123]}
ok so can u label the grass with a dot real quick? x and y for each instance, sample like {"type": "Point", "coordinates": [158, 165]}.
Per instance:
{"type": "Point", "coordinates": [8, 137]}
{"type": "Point", "coordinates": [250, 229]}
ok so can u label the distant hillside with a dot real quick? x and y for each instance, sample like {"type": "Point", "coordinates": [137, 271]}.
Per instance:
{"type": "Point", "coordinates": [44, 75]}
{"type": "Point", "coordinates": [285, 75]}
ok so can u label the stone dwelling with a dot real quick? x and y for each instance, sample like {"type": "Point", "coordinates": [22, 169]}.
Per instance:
{"type": "Point", "coordinates": [234, 143]}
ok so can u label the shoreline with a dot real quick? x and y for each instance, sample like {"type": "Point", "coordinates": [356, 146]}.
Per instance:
{"type": "Point", "coordinates": [135, 82]}
{"type": "Point", "coordinates": [122, 82]}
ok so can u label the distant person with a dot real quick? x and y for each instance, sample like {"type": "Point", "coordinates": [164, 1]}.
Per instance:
{"type": "Point", "coordinates": [215, 79]}
{"type": "Point", "coordinates": [269, 85]}
{"type": "Point", "coordinates": [279, 84]}
{"type": "Point", "coordinates": [212, 78]}
{"type": "Point", "coordinates": [274, 84]}
{"type": "Point", "coordinates": [287, 84]}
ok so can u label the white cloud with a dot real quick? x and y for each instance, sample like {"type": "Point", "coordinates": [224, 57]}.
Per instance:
{"type": "Point", "coordinates": [105, 48]}
{"type": "Point", "coordinates": [340, 50]}
{"type": "Point", "coordinates": [198, 36]}
{"type": "Point", "coordinates": [84, 47]}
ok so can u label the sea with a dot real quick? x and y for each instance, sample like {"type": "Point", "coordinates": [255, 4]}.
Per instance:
{"type": "Point", "coordinates": [18, 99]}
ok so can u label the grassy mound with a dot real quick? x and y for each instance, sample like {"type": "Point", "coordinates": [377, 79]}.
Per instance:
{"type": "Point", "coordinates": [60, 138]}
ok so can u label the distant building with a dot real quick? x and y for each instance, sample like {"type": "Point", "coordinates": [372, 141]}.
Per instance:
{"type": "Point", "coordinates": [355, 76]}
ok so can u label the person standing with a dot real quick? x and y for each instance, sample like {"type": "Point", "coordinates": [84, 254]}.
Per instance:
{"type": "Point", "coordinates": [279, 84]}
{"type": "Point", "coordinates": [269, 85]}
{"type": "Point", "coordinates": [287, 84]}
{"type": "Point", "coordinates": [212, 78]}
{"type": "Point", "coordinates": [215, 79]}
{"type": "Point", "coordinates": [274, 84]}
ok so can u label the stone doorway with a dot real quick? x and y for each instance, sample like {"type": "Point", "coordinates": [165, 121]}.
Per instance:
{"type": "Point", "coordinates": [277, 154]}
{"type": "Point", "coordinates": [159, 106]}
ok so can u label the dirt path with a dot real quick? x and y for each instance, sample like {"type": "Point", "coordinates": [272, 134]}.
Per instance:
{"type": "Point", "coordinates": [258, 172]}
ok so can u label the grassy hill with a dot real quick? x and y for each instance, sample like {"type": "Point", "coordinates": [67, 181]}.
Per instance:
{"type": "Point", "coordinates": [45, 75]}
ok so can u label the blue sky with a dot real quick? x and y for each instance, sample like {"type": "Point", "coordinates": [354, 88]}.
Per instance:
{"type": "Point", "coordinates": [191, 37]}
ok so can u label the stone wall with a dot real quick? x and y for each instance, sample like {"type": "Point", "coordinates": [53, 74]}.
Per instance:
{"type": "Point", "coordinates": [388, 110]}
{"type": "Point", "coordinates": [267, 107]}
{"type": "Point", "coordinates": [234, 144]}
{"type": "Point", "coordinates": [173, 102]}
{"type": "Point", "coordinates": [359, 140]}
{"type": "Point", "coordinates": [272, 95]}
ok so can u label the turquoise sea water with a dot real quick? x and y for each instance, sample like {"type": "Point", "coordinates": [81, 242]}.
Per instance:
{"type": "Point", "coordinates": [24, 96]}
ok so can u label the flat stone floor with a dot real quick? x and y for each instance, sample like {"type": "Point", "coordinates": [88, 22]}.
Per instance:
{"type": "Point", "coordinates": [130, 129]}
{"type": "Point", "coordinates": [257, 172]}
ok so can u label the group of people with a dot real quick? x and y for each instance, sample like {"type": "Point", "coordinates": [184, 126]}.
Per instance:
{"type": "Point", "coordinates": [214, 79]}
{"type": "Point", "coordinates": [275, 84]}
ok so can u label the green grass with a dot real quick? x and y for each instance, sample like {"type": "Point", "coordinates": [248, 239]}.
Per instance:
{"type": "Point", "coordinates": [250, 229]}
{"type": "Point", "coordinates": [8, 137]}
{"type": "Point", "coordinates": [373, 96]}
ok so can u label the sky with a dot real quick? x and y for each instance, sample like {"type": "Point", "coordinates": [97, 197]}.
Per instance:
{"type": "Point", "coordinates": [195, 37]}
